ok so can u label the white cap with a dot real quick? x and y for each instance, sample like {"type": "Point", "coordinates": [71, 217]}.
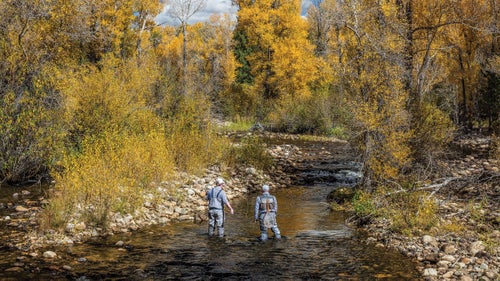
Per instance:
{"type": "Point", "coordinates": [219, 181]}
{"type": "Point", "coordinates": [265, 187]}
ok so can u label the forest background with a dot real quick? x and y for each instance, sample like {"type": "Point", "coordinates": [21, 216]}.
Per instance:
{"type": "Point", "coordinates": [100, 98]}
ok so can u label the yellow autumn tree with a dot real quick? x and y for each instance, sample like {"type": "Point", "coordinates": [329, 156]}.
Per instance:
{"type": "Point", "coordinates": [281, 60]}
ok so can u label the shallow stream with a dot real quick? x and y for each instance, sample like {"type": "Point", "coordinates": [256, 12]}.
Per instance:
{"type": "Point", "coordinates": [317, 246]}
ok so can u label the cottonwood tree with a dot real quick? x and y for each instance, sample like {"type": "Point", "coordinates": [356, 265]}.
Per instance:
{"type": "Point", "coordinates": [274, 47]}
{"type": "Point", "coordinates": [215, 62]}
{"type": "Point", "coordinates": [322, 19]}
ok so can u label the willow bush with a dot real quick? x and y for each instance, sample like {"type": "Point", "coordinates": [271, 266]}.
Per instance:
{"type": "Point", "coordinates": [31, 133]}
{"type": "Point", "coordinates": [109, 175]}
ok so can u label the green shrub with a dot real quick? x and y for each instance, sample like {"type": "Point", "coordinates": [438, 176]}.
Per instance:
{"type": "Point", "coordinates": [338, 132]}
{"type": "Point", "coordinates": [363, 204]}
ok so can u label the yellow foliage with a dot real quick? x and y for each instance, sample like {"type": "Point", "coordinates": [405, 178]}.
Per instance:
{"type": "Point", "coordinates": [115, 97]}
{"type": "Point", "coordinates": [192, 139]}
{"type": "Point", "coordinates": [282, 60]}
{"type": "Point", "coordinates": [109, 175]}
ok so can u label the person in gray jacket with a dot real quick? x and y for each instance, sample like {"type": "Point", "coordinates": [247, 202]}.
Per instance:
{"type": "Point", "coordinates": [217, 198]}
{"type": "Point", "coordinates": [266, 208]}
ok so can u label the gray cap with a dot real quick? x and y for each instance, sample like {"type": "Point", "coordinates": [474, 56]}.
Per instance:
{"type": "Point", "coordinates": [265, 187]}
{"type": "Point", "coordinates": [219, 181]}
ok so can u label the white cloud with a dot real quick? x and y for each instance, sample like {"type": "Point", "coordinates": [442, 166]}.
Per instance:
{"type": "Point", "coordinates": [213, 7]}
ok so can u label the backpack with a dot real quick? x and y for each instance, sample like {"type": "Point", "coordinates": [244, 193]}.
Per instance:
{"type": "Point", "coordinates": [267, 203]}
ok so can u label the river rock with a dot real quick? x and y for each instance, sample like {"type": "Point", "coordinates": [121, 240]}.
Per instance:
{"type": "Point", "coordinates": [443, 263]}
{"type": "Point", "coordinates": [49, 254]}
{"type": "Point", "coordinates": [80, 226]}
{"type": "Point", "coordinates": [466, 278]}
{"type": "Point", "coordinates": [163, 220]}
{"type": "Point", "coordinates": [448, 249]}
{"type": "Point", "coordinates": [70, 227]}
{"type": "Point", "coordinates": [430, 240]}
{"type": "Point", "coordinates": [492, 275]}
{"type": "Point", "coordinates": [21, 209]}
{"type": "Point", "coordinates": [430, 272]}
{"type": "Point", "coordinates": [449, 258]}
{"type": "Point", "coordinates": [476, 247]}
{"type": "Point", "coordinates": [448, 274]}
{"type": "Point", "coordinates": [14, 269]}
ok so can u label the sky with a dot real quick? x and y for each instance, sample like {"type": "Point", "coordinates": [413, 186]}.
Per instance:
{"type": "Point", "coordinates": [213, 7]}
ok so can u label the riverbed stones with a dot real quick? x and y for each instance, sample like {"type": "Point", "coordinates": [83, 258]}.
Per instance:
{"type": "Point", "coordinates": [80, 226]}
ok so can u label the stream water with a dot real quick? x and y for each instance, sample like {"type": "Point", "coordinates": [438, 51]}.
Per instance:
{"type": "Point", "coordinates": [317, 245]}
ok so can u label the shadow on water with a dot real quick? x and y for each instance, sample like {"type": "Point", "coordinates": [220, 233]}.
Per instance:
{"type": "Point", "coordinates": [317, 246]}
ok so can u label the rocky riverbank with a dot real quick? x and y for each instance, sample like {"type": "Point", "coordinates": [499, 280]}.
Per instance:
{"type": "Point", "coordinates": [467, 192]}
{"type": "Point", "coordinates": [468, 197]}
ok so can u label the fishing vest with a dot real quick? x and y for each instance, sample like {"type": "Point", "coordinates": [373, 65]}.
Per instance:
{"type": "Point", "coordinates": [215, 202]}
{"type": "Point", "coordinates": [267, 203]}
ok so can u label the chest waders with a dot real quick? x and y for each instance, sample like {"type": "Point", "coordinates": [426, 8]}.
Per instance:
{"type": "Point", "coordinates": [216, 216]}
